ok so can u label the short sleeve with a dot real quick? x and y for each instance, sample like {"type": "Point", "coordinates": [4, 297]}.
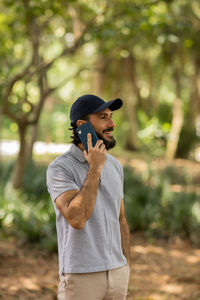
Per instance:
{"type": "Point", "coordinates": [59, 180]}
{"type": "Point", "coordinates": [122, 179]}
{"type": "Point", "coordinates": [121, 172]}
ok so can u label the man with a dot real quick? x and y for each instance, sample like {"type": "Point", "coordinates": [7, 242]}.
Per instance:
{"type": "Point", "coordinates": [87, 192]}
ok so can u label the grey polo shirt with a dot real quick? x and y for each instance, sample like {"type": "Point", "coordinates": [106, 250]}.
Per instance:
{"type": "Point", "coordinates": [96, 247]}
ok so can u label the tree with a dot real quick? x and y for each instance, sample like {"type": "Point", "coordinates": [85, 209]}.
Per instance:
{"type": "Point", "coordinates": [34, 30]}
{"type": "Point", "coordinates": [140, 48]}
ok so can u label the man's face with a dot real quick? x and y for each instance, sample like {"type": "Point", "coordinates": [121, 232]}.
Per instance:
{"type": "Point", "coordinates": [104, 125]}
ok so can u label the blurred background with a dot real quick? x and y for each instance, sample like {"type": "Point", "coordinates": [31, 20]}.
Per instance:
{"type": "Point", "coordinates": [144, 52]}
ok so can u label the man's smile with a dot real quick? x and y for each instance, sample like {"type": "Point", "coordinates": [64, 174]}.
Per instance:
{"type": "Point", "coordinates": [108, 133]}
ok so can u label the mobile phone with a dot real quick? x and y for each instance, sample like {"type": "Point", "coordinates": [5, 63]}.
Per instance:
{"type": "Point", "coordinates": [83, 131]}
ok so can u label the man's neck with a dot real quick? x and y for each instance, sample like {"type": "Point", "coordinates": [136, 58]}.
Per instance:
{"type": "Point", "coordinates": [81, 147]}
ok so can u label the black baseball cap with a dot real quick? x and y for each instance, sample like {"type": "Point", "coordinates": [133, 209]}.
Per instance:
{"type": "Point", "coordinates": [91, 104]}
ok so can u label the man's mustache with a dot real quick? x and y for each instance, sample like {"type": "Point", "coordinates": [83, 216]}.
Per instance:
{"type": "Point", "coordinates": [108, 130]}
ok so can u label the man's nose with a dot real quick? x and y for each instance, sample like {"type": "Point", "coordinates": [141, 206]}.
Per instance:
{"type": "Point", "coordinates": [111, 123]}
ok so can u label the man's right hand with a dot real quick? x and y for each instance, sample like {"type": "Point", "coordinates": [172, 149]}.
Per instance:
{"type": "Point", "coordinates": [96, 155]}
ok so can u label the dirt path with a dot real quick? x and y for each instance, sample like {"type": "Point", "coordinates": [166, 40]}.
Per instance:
{"type": "Point", "coordinates": [163, 271]}
{"type": "Point", "coordinates": [160, 271]}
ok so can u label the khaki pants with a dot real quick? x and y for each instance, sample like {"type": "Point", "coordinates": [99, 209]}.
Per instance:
{"type": "Point", "coordinates": [106, 285]}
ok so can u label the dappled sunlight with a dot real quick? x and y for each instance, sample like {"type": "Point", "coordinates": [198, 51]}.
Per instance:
{"type": "Point", "coordinates": [197, 252]}
{"type": "Point", "coordinates": [177, 253]}
{"type": "Point", "coordinates": [154, 297]}
{"type": "Point", "coordinates": [139, 249]}
{"type": "Point", "coordinates": [171, 288]}
{"type": "Point", "coordinates": [140, 165]}
{"type": "Point", "coordinates": [159, 271]}
{"type": "Point", "coordinates": [24, 283]}
{"type": "Point", "coordinates": [140, 267]}
{"type": "Point", "coordinates": [29, 283]}
{"type": "Point", "coordinates": [164, 270]}
{"type": "Point", "coordinates": [156, 249]}
{"type": "Point", "coordinates": [192, 259]}
{"type": "Point", "coordinates": [147, 249]}
{"type": "Point", "coordinates": [178, 188]}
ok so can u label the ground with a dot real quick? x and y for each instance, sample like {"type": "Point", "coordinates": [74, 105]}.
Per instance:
{"type": "Point", "coordinates": [160, 270]}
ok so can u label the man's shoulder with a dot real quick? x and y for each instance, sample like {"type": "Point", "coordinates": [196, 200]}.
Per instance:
{"type": "Point", "coordinates": [114, 161]}
{"type": "Point", "coordinates": [63, 160]}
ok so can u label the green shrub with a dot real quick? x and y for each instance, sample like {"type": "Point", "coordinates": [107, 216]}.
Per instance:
{"type": "Point", "coordinates": [159, 211]}
{"type": "Point", "coordinates": [175, 175]}
{"type": "Point", "coordinates": [140, 201]}
{"type": "Point", "coordinates": [28, 214]}
{"type": "Point", "coordinates": [188, 133]}
{"type": "Point", "coordinates": [35, 180]}
{"type": "Point", "coordinates": [5, 171]}
{"type": "Point", "coordinates": [151, 206]}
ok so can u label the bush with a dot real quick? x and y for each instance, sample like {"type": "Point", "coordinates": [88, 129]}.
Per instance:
{"type": "Point", "coordinates": [35, 180]}
{"type": "Point", "coordinates": [28, 214]}
{"type": "Point", "coordinates": [151, 206]}
{"type": "Point", "coordinates": [188, 133]}
{"type": "Point", "coordinates": [5, 171]}
{"type": "Point", "coordinates": [159, 211]}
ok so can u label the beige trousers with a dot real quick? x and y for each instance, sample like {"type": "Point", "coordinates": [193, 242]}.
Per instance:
{"type": "Point", "coordinates": [106, 285]}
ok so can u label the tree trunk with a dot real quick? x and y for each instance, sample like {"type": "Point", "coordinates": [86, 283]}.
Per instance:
{"type": "Point", "coordinates": [33, 138]}
{"type": "Point", "coordinates": [195, 101]}
{"type": "Point", "coordinates": [132, 141]}
{"type": "Point", "coordinates": [177, 118]}
{"type": "Point", "coordinates": [177, 122]}
{"type": "Point", "coordinates": [99, 75]}
{"type": "Point", "coordinates": [20, 164]}
{"type": "Point", "coordinates": [150, 103]}
{"type": "Point", "coordinates": [132, 94]}
{"type": "Point", "coordinates": [1, 119]}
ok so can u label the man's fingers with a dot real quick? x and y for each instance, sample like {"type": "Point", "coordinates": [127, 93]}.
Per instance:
{"type": "Point", "coordinates": [98, 144]}
{"type": "Point", "coordinates": [102, 148]}
{"type": "Point", "coordinates": [85, 154]}
{"type": "Point", "coordinates": [89, 141]}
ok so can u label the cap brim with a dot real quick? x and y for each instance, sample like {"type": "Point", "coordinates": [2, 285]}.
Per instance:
{"type": "Point", "coordinates": [113, 105]}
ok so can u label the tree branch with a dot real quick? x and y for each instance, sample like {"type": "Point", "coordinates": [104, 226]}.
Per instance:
{"type": "Point", "coordinates": [10, 114]}
{"type": "Point", "coordinates": [63, 82]}
{"type": "Point", "coordinates": [31, 69]}
{"type": "Point", "coordinates": [50, 91]}
{"type": "Point", "coordinates": [13, 81]}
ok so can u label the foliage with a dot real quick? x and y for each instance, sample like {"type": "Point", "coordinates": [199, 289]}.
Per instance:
{"type": "Point", "coordinates": [35, 181]}
{"type": "Point", "coordinates": [188, 133]}
{"type": "Point", "coordinates": [28, 215]}
{"type": "Point", "coordinates": [5, 171]}
{"type": "Point", "coordinates": [150, 206]}
{"type": "Point", "coordinates": [158, 210]}
{"type": "Point", "coordinates": [161, 37]}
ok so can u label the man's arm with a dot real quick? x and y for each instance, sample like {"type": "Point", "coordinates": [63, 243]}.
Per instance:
{"type": "Point", "coordinates": [77, 206]}
{"type": "Point", "coordinates": [125, 233]}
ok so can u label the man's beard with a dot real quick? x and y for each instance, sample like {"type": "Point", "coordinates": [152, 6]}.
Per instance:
{"type": "Point", "coordinates": [110, 142]}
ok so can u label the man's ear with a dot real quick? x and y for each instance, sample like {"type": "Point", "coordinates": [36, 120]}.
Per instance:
{"type": "Point", "coordinates": [80, 122]}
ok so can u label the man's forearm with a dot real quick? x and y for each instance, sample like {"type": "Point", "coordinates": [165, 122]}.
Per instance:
{"type": "Point", "coordinates": [125, 239]}
{"type": "Point", "coordinates": [81, 207]}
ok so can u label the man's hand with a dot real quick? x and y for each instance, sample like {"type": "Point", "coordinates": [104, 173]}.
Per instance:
{"type": "Point", "coordinates": [96, 155]}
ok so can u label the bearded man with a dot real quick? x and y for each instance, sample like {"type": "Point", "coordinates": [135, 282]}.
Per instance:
{"type": "Point", "coordinates": [87, 193]}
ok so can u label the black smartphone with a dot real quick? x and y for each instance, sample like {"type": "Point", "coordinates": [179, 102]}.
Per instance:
{"type": "Point", "coordinates": [83, 131]}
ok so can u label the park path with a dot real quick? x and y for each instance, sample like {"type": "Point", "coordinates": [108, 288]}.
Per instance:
{"type": "Point", "coordinates": [160, 271]}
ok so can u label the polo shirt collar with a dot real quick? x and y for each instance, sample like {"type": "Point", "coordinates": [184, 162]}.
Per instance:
{"type": "Point", "coordinates": [77, 153]}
